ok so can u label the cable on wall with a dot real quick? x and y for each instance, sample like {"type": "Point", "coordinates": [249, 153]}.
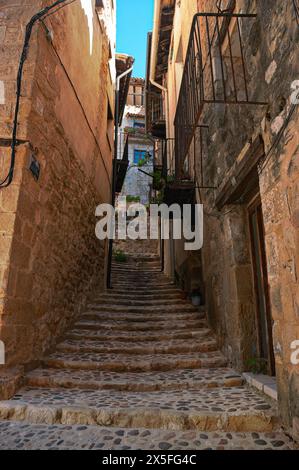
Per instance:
{"type": "Point", "coordinates": [38, 16]}
{"type": "Point", "coordinates": [296, 8]}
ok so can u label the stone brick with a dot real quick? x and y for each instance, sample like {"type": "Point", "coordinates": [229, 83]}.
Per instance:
{"type": "Point", "coordinates": [56, 259]}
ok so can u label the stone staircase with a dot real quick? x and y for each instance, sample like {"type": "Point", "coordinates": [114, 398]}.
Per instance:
{"type": "Point", "coordinates": [139, 370]}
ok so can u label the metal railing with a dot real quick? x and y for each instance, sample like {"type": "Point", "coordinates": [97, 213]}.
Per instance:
{"type": "Point", "coordinates": [214, 72]}
{"type": "Point", "coordinates": [121, 168]}
{"type": "Point", "coordinates": [155, 115]}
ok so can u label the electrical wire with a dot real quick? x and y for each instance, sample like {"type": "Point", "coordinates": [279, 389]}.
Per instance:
{"type": "Point", "coordinates": [38, 16]}
{"type": "Point", "coordinates": [59, 8]}
{"type": "Point", "coordinates": [296, 8]}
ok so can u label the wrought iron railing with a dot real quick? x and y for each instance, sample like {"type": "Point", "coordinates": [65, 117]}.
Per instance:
{"type": "Point", "coordinates": [121, 167]}
{"type": "Point", "coordinates": [214, 72]}
{"type": "Point", "coordinates": [155, 114]}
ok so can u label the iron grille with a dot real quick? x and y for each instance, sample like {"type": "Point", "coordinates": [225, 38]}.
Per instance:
{"type": "Point", "coordinates": [121, 168]}
{"type": "Point", "coordinates": [155, 115]}
{"type": "Point", "coordinates": [214, 72]}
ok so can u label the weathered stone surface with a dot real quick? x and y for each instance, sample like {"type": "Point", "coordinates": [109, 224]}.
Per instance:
{"type": "Point", "coordinates": [70, 437]}
{"type": "Point", "coordinates": [143, 379]}
{"type": "Point", "coordinates": [50, 259]}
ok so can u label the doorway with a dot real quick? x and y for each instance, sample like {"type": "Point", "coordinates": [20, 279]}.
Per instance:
{"type": "Point", "coordinates": [264, 320]}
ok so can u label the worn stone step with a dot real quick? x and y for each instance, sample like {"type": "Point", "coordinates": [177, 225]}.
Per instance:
{"type": "Point", "coordinates": [145, 291]}
{"type": "Point", "coordinates": [145, 302]}
{"type": "Point", "coordinates": [139, 317]}
{"type": "Point", "coordinates": [160, 309]}
{"type": "Point", "coordinates": [137, 280]}
{"type": "Point", "coordinates": [144, 336]}
{"type": "Point", "coordinates": [236, 409]}
{"type": "Point", "coordinates": [118, 347]}
{"type": "Point", "coordinates": [155, 268]}
{"type": "Point", "coordinates": [131, 363]}
{"type": "Point", "coordinates": [157, 325]}
{"type": "Point", "coordinates": [134, 381]}
{"type": "Point", "coordinates": [143, 297]}
{"type": "Point", "coordinates": [80, 437]}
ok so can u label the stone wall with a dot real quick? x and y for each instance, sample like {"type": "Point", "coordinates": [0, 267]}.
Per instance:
{"type": "Point", "coordinates": [271, 58]}
{"type": "Point", "coordinates": [50, 258]}
{"type": "Point", "coordinates": [272, 61]}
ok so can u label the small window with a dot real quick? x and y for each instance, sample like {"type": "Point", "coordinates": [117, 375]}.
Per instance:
{"type": "Point", "coordinates": [138, 125]}
{"type": "Point", "coordinates": [140, 155]}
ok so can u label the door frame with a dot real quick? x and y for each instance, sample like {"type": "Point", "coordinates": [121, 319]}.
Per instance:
{"type": "Point", "coordinates": [252, 207]}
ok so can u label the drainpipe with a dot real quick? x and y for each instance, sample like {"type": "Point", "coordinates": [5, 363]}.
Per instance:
{"type": "Point", "coordinates": [116, 127]}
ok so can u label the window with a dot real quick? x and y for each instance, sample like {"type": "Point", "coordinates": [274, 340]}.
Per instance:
{"type": "Point", "coordinates": [140, 155]}
{"type": "Point", "coordinates": [136, 95]}
{"type": "Point", "coordinates": [138, 125]}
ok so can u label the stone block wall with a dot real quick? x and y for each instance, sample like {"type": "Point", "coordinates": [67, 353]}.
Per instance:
{"type": "Point", "coordinates": [271, 55]}
{"type": "Point", "coordinates": [50, 259]}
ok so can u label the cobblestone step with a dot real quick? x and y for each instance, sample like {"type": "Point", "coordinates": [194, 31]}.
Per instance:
{"type": "Point", "coordinates": [180, 379]}
{"type": "Point", "coordinates": [139, 317]}
{"type": "Point", "coordinates": [136, 336]}
{"type": "Point", "coordinates": [169, 289]}
{"type": "Point", "coordinates": [22, 436]}
{"type": "Point", "coordinates": [165, 347]}
{"type": "Point", "coordinates": [126, 302]}
{"type": "Point", "coordinates": [159, 309]}
{"type": "Point", "coordinates": [224, 409]}
{"type": "Point", "coordinates": [139, 368]}
{"type": "Point", "coordinates": [131, 363]}
{"type": "Point", "coordinates": [143, 326]}
{"type": "Point", "coordinates": [144, 296]}
{"type": "Point", "coordinates": [138, 283]}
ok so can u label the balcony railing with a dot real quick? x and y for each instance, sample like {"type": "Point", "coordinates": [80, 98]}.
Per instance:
{"type": "Point", "coordinates": [155, 116]}
{"type": "Point", "coordinates": [121, 168]}
{"type": "Point", "coordinates": [214, 72]}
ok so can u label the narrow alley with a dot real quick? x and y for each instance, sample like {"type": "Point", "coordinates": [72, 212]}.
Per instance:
{"type": "Point", "coordinates": [149, 227]}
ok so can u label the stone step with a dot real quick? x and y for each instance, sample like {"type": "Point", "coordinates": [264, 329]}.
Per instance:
{"type": "Point", "coordinates": [138, 278]}
{"type": "Point", "coordinates": [236, 409]}
{"type": "Point", "coordinates": [134, 381]}
{"type": "Point", "coordinates": [143, 297]}
{"type": "Point", "coordinates": [143, 326]}
{"type": "Point", "coordinates": [139, 317]}
{"type": "Point", "coordinates": [118, 347]}
{"type": "Point", "coordinates": [160, 309]}
{"type": "Point", "coordinates": [137, 284]}
{"type": "Point", "coordinates": [142, 268]}
{"type": "Point", "coordinates": [145, 291]}
{"type": "Point", "coordinates": [113, 300]}
{"type": "Point", "coordinates": [131, 363]}
{"type": "Point", "coordinates": [144, 336]}
{"type": "Point", "coordinates": [80, 437]}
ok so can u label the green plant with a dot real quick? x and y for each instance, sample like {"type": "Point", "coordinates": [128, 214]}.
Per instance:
{"type": "Point", "coordinates": [158, 180]}
{"type": "Point", "coordinates": [133, 198]}
{"type": "Point", "coordinates": [257, 365]}
{"type": "Point", "coordinates": [120, 256]}
{"type": "Point", "coordinates": [170, 178]}
{"type": "Point", "coordinates": [145, 160]}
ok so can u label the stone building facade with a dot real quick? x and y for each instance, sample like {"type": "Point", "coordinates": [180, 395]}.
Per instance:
{"type": "Point", "coordinates": [50, 259]}
{"type": "Point", "coordinates": [241, 151]}
{"type": "Point", "coordinates": [140, 147]}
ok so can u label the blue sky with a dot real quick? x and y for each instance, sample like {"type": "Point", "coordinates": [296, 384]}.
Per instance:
{"type": "Point", "coordinates": [134, 20]}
